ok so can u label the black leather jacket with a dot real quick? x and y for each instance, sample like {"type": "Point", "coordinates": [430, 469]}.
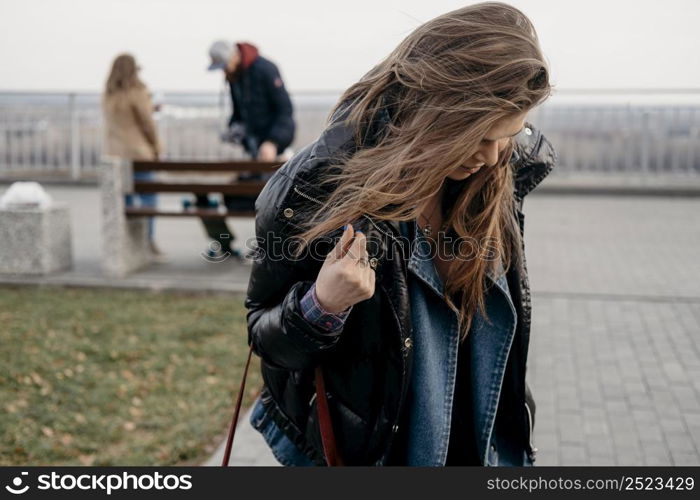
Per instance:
{"type": "Point", "coordinates": [367, 365]}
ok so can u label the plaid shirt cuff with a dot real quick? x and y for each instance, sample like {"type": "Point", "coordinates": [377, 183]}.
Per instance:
{"type": "Point", "coordinates": [315, 314]}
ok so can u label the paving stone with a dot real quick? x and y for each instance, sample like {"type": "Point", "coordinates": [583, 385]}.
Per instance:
{"type": "Point", "coordinates": [681, 458]}
{"type": "Point", "coordinates": [573, 455]}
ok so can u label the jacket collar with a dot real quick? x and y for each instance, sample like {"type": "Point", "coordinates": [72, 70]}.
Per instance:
{"type": "Point", "coordinates": [536, 158]}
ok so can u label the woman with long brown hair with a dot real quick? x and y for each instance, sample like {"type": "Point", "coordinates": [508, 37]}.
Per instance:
{"type": "Point", "coordinates": [389, 299]}
{"type": "Point", "coordinates": [130, 131]}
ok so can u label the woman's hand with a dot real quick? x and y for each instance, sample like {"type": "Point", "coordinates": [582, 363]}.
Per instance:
{"type": "Point", "coordinates": [267, 151]}
{"type": "Point", "coordinates": [346, 277]}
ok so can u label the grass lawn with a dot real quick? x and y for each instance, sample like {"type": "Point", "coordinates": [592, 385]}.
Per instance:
{"type": "Point", "coordinates": [109, 377]}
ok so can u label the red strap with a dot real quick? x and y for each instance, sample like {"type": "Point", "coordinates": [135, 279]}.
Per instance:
{"type": "Point", "coordinates": [234, 421]}
{"type": "Point", "coordinates": [330, 449]}
{"type": "Point", "coordinates": [324, 418]}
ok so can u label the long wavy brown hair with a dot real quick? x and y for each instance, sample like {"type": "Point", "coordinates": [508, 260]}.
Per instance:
{"type": "Point", "coordinates": [123, 75]}
{"type": "Point", "coordinates": [444, 87]}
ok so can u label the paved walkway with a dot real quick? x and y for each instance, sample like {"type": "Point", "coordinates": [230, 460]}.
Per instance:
{"type": "Point", "coordinates": [615, 363]}
{"type": "Point", "coordinates": [249, 448]}
{"type": "Point", "coordinates": [615, 352]}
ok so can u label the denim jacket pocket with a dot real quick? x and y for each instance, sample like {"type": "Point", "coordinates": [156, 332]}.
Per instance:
{"type": "Point", "coordinates": [283, 449]}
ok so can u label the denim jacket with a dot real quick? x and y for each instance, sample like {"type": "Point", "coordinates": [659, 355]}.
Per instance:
{"type": "Point", "coordinates": [436, 344]}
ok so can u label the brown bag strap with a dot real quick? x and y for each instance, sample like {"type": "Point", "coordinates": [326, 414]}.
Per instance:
{"type": "Point", "coordinates": [330, 450]}
{"type": "Point", "coordinates": [324, 418]}
{"type": "Point", "coordinates": [234, 421]}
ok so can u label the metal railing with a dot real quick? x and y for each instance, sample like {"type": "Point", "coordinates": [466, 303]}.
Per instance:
{"type": "Point", "coordinates": [60, 135]}
{"type": "Point", "coordinates": [641, 139]}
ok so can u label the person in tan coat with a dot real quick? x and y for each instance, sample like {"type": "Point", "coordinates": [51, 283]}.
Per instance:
{"type": "Point", "coordinates": [130, 131]}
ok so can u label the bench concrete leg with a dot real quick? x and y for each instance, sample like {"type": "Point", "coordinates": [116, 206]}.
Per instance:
{"type": "Point", "coordinates": [125, 245]}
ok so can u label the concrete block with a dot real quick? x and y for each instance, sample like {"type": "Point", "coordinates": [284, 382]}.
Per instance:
{"type": "Point", "coordinates": [35, 241]}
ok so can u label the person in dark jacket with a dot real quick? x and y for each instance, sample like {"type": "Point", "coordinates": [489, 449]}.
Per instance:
{"type": "Point", "coordinates": [262, 119]}
{"type": "Point", "coordinates": [261, 104]}
{"type": "Point", "coordinates": [390, 285]}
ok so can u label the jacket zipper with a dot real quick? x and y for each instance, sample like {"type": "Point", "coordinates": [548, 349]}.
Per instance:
{"type": "Point", "coordinates": [307, 196]}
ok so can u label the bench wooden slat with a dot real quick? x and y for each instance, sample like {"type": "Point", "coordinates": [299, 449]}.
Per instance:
{"type": "Point", "coordinates": [247, 188]}
{"type": "Point", "coordinates": [207, 213]}
{"type": "Point", "coordinates": [224, 166]}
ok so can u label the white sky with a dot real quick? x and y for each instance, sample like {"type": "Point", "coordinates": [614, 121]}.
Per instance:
{"type": "Point", "coordinates": [328, 44]}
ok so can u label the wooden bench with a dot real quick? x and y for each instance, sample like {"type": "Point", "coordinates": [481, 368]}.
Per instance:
{"type": "Point", "coordinates": [125, 245]}
{"type": "Point", "coordinates": [202, 169]}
